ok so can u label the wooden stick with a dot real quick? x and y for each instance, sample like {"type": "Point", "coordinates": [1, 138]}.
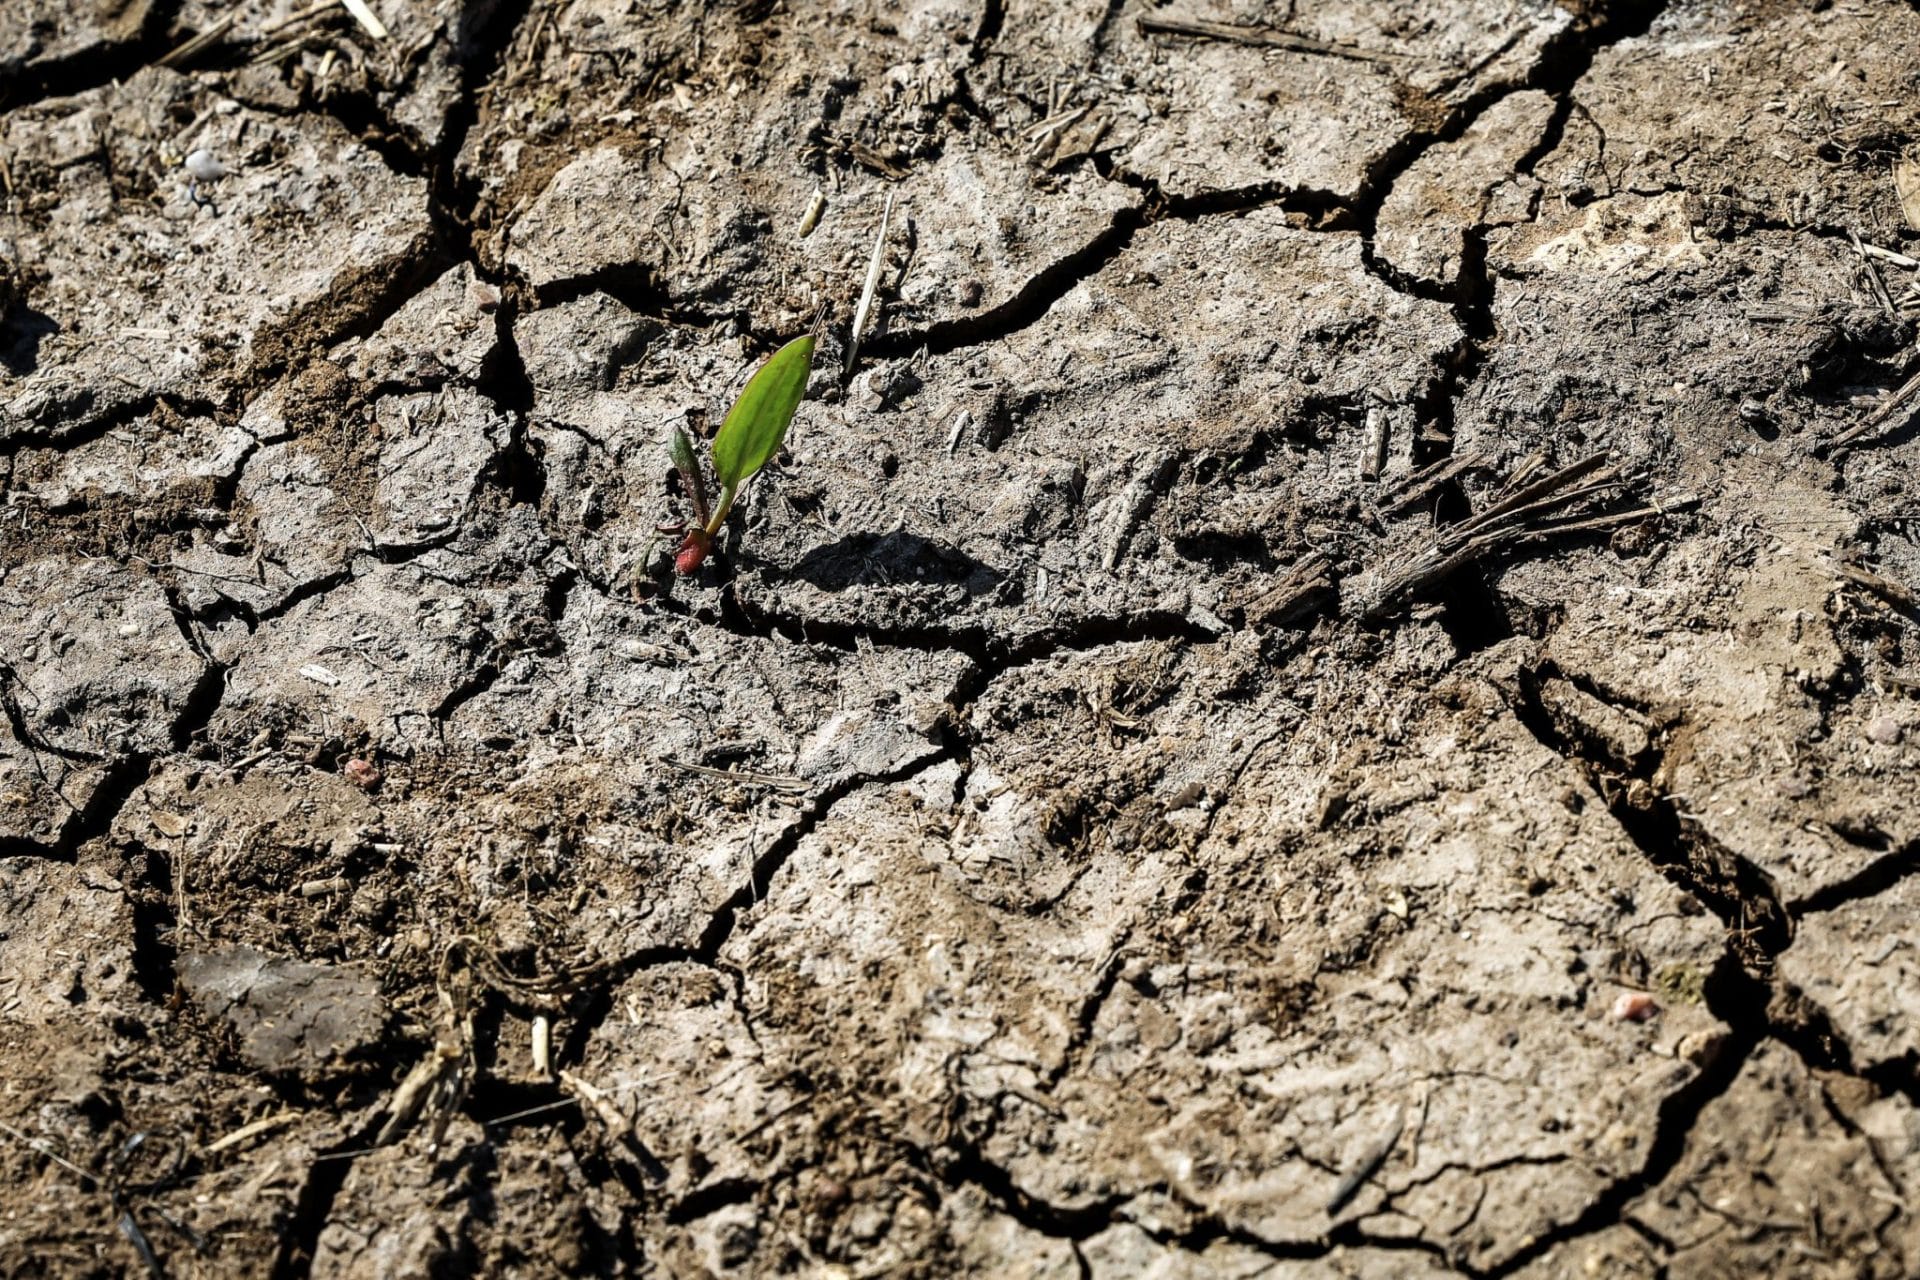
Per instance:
{"type": "Point", "coordinates": [1373, 454]}
{"type": "Point", "coordinates": [1515, 516]}
{"type": "Point", "coordinates": [1507, 523]}
{"type": "Point", "coordinates": [1307, 583]}
{"type": "Point", "coordinates": [1588, 525]}
{"type": "Point", "coordinates": [1417, 486]}
{"type": "Point", "coordinates": [1898, 594]}
{"type": "Point", "coordinates": [1261, 37]}
{"type": "Point", "coordinates": [1424, 570]}
{"type": "Point", "coordinates": [1540, 488]}
{"type": "Point", "coordinates": [1892, 405]}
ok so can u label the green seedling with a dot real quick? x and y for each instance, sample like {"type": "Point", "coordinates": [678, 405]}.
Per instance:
{"type": "Point", "coordinates": [749, 437]}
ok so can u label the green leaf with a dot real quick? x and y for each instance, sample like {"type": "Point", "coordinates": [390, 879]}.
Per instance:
{"type": "Point", "coordinates": [758, 421]}
{"type": "Point", "coordinates": [680, 445]}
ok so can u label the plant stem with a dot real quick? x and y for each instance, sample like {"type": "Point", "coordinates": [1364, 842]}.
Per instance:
{"type": "Point", "coordinates": [727, 495]}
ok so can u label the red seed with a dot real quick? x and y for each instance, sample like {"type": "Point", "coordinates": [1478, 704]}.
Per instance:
{"type": "Point", "coordinates": [1634, 1006]}
{"type": "Point", "coordinates": [363, 774]}
{"type": "Point", "coordinates": [693, 552]}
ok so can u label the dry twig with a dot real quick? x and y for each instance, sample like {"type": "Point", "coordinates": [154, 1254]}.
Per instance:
{"type": "Point", "coordinates": [1520, 517]}
{"type": "Point", "coordinates": [188, 49]}
{"type": "Point", "coordinates": [1894, 404]}
{"type": "Point", "coordinates": [1261, 37]}
{"type": "Point", "coordinates": [1898, 594]}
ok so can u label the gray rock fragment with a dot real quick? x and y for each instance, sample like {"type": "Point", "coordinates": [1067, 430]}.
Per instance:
{"type": "Point", "coordinates": [291, 1017]}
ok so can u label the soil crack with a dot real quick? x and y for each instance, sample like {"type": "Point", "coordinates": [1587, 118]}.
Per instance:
{"type": "Point", "coordinates": [1875, 878]}
{"type": "Point", "coordinates": [1742, 896]}
{"type": "Point", "coordinates": [97, 66]}
{"type": "Point", "coordinates": [1742, 991]}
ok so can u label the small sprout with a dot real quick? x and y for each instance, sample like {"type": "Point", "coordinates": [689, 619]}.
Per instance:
{"type": "Point", "coordinates": [759, 419]}
{"type": "Point", "coordinates": [750, 436]}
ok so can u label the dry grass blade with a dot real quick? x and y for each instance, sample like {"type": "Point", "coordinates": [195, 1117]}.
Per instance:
{"type": "Point", "coordinates": [295, 19]}
{"type": "Point", "coordinates": [865, 306]}
{"type": "Point", "coordinates": [275, 53]}
{"type": "Point", "coordinates": [40, 1146]}
{"type": "Point", "coordinates": [186, 50]}
{"type": "Point", "coordinates": [620, 1131]}
{"type": "Point", "coordinates": [248, 1132]}
{"type": "Point", "coordinates": [367, 18]}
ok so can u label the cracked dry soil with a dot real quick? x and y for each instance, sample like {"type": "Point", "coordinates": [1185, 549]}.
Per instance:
{"type": "Point", "coordinates": [1334, 695]}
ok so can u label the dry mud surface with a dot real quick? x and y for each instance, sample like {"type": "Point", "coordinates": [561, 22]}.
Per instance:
{"type": "Point", "coordinates": [1332, 694]}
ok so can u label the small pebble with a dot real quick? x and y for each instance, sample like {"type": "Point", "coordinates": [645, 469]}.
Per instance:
{"type": "Point", "coordinates": [866, 394]}
{"type": "Point", "coordinates": [1884, 730]}
{"type": "Point", "coordinates": [363, 774]}
{"type": "Point", "coordinates": [205, 166]}
{"type": "Point", "coordinates": [1634, 1006]}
